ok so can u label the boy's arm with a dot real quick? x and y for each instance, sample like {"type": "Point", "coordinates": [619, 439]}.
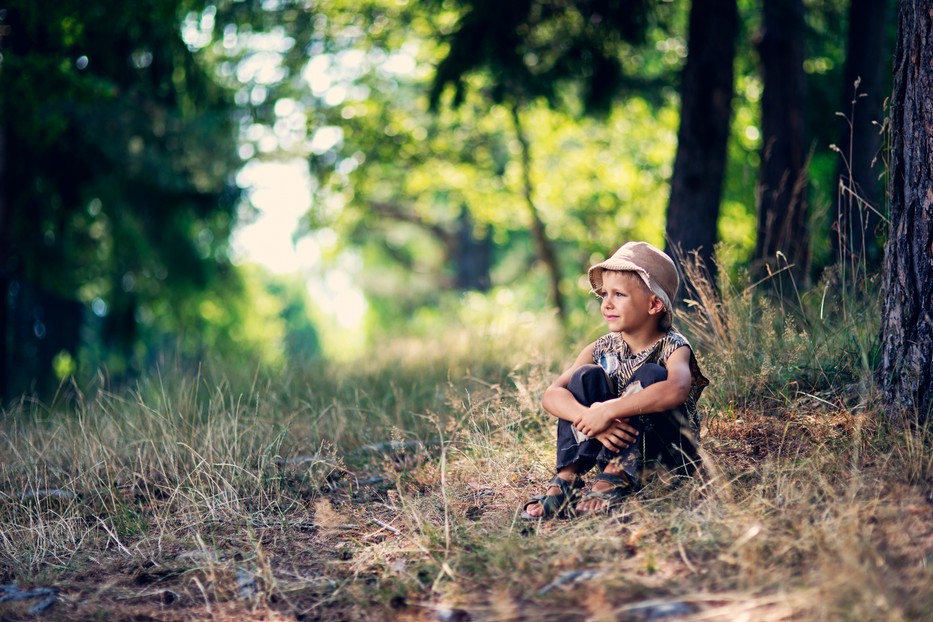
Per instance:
{"type": "Point", "coordinates": [657, 397]}
{"type": "Point", "coordinates": [558, 400]}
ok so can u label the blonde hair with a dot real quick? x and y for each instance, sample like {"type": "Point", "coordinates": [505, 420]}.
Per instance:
{"type": "Point", "coordinates": [631, 275]}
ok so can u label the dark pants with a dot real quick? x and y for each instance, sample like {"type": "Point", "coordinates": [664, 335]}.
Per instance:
{"type": "Point", "coordinates": [664, 438]}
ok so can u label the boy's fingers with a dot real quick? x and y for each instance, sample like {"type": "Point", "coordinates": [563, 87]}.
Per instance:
{"type": "Point", "coordinates": [617, 441]}
{"type": "Point", "coordinates": [625, 432]}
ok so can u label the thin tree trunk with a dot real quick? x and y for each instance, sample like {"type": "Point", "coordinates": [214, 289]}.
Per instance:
{"type": "Point", "coordinates": [705, 113]}
{"type": "Point", "coordinates": [543, 246]}
{"type": "Point", "coordinates": [782, 210]}
{"type": "Point", "coordinates": [859, 197]}
{"type": "Point", "coordinates": [906, 373]}
{"type": "Point", "coordinates": [470, 255]}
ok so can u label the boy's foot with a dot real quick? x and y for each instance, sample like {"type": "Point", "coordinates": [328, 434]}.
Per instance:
{"type": "Point", "coordinates": [609, 490]}
{"type": "Point", "coordinates": [558, 500]}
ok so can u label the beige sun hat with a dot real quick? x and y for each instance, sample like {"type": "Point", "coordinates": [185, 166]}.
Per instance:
{"type": "Point", "coordinates": [654, 267]}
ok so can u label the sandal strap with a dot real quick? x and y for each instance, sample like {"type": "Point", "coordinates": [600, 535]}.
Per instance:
{"type": "Point", "coordinates": [566, 488]}
{"type": "Point", "coordinates": [618, 481]}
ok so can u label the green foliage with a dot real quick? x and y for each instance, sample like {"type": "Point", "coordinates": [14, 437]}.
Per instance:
{"type": "Point", "coordinates": [535, 50]}
{"type": "Point", "coordinates": [121, 194]}
{"type": "Point", "coordinates": [114, 133]}
{"type": "Point", "coordinates": [738, 211]}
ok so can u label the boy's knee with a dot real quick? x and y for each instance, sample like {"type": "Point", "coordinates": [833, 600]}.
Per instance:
{"type": "Point", "coordinates": [589, 383]}
{"type": "Point", "coordinates": [588, 373]}
{"type": "Point", "coordinates": [649, 374]}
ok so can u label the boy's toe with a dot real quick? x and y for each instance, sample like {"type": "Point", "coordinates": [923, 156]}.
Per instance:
{"type": "Point", "coordinates": [534, 509]}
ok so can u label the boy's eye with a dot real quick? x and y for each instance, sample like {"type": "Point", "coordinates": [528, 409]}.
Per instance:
{"type": "Point", "coordinates": [600, 294]}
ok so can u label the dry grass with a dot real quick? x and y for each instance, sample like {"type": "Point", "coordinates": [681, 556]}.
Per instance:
{"type": "Point", "coordinates": [194, 497]}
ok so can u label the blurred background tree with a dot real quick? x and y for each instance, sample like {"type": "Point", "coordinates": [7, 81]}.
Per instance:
{"type": "Point", "coordinates": [706, 90]}
{"type": "Point", "coordinates": [118, 195]}
{"type": "Point", "coordinates": [114, 194]}
{"type": "Point", "coordinates": [461, 158]}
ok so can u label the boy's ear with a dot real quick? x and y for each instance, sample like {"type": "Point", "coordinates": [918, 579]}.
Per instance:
{"type": "Point", "coordinates": [655, 305]}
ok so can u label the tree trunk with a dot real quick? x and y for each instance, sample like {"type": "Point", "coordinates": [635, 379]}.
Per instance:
{"type": "Point", "coordinates": [545, 249]}
{"type": "Point", "coordinates": [860, 194]}
{"type": "Point", "coordinates": [4, 260]}
{"type": "Point", "coordinates": [782, 210]}
{"type": "Point", "coordinates": [907, 314]}
{"type": "Point", "coordinates": [705, 113]}
{"type": "Point", "coordinates": [471, 255]}
{"type": "Point", "coordinates": [5, 252]}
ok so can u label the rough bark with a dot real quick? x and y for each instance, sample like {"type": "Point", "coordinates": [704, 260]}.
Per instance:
{"type": "Point", "coordinates": [859, 198]}
{"type": "Point", "coordinates": [4, 261]}
{"type": "Point", "coordinates": [543, 246]}
{"type": "Point", "coordinates": [706, 111]}
{"type": "Point", "coordinates": [782, 211]}
{"type": "Point", "coordinates": [5, 238]}
{"type": "Point", "coordinates": [906, 374]}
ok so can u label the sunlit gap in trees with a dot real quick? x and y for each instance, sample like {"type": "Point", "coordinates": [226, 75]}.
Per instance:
{"type": "Point", "coordinates": [279, 188]}
{"type": "Point", "coordinates": [280, 193]}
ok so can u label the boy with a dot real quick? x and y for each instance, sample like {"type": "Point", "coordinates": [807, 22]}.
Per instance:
{"type": "Point", "coordinates": [629, 400]}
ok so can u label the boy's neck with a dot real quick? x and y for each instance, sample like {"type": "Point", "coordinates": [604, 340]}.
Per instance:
{"type": "Point", "coordinates": [641, 339]}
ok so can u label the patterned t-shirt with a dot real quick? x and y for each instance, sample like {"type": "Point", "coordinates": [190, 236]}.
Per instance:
{"type": "Point", "coordinates": [613, 355]}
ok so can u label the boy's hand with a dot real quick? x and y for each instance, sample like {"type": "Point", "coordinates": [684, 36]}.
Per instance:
{"type": "Point", "coordinates": [618, 436]}
{"type": "Point", "coordinates": [595, 420]}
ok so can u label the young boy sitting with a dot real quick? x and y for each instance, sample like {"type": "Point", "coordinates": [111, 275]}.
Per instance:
{"type": "Point", "coordinates": [629, 400]}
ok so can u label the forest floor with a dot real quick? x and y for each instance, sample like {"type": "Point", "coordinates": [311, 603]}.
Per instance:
{"type": "Point", "coordinates": [808, 512]}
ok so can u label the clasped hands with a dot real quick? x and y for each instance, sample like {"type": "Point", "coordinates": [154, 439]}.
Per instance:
{"type": "Point", "coordinates": [597, 422]}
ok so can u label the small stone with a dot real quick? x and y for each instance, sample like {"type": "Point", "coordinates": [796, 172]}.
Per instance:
{"type": "Point", "coordinates": [47, 493]}
{"type": "Point", "coordinates": [451, 614]}
{"type": "Point", "coordinates": [572, 576]}
{"type": "Point", "coordinates": [246, 584]}
{"type": "Point", "coordinates": [198, 556]}
{"type": "Point", "coordinates": [659, 611]}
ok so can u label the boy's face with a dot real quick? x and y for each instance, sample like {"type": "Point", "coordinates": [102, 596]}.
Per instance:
{"type": "Point", "coordinates": [627, 302]}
